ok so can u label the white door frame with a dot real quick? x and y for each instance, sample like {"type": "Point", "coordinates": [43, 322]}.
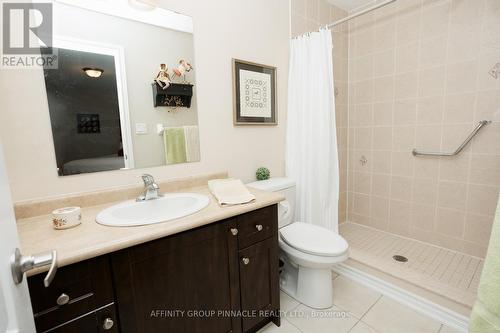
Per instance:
{"type": "Point", "coordinates": [16, 315]}
{"type": "Point", "coordinates": [118, 53]}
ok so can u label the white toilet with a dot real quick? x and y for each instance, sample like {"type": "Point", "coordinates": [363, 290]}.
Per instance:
{"type": "Point", "coordinates": [308, 251]}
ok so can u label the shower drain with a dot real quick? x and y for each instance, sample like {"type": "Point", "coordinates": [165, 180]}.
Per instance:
{"type": "Point", "coordinates": [399, 258]}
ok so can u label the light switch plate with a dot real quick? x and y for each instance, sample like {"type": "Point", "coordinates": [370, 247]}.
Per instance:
{"type": "Point", "coordinates": [141, 128]}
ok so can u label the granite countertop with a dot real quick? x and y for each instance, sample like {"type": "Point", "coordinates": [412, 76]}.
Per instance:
{"type": "Point", "coordinates": [90, 239]}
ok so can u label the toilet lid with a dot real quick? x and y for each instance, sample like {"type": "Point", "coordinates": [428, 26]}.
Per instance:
{"type": "Point", "coordinates": [313, 239]}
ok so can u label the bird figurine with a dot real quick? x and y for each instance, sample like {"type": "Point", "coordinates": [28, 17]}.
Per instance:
{"type": "Point", "coordinates": [183, 68]}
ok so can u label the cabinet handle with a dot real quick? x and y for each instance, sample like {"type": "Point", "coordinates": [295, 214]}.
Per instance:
{"type": "Point", "coordinates": [62, 299]}
{"type": "Point", "coordinates": [234, 231]}
{"type": "Point", "coordinates": [108, 324]}
{"type": "Point", "coordinates": [245, 261]}
{"type": "Point", "coordinates": [259, 227]}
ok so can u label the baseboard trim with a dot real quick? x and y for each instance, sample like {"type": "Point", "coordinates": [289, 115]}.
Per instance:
{"type": "Point", "coordinates": [446, 316]}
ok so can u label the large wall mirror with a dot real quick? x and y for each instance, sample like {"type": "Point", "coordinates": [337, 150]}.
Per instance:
{"type": "Point", "coordinates": [112, 104]}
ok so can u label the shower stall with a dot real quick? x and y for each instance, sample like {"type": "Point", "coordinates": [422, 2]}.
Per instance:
{"type": "Point", "coordinates": [418, 126]}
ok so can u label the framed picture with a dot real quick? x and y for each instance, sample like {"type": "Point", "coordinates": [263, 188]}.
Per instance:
{"type": "Point", "coordinates": [254, 93]}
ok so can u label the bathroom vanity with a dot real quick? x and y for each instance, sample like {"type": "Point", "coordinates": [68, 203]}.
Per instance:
{"type": "Point", "coordinates": [221, 276]}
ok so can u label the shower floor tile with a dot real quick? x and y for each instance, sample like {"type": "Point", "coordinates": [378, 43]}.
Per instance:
{"type": "Point", "coordinates": [451, 274]}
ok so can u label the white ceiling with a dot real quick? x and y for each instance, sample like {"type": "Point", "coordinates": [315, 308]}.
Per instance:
{"type": "Point", "coordinates": [349, 5]}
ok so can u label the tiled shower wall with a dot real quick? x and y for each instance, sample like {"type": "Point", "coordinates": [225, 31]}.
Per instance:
{"type": "Point", "coordinates": [308, 16]}
{"type": "Point", "coordinates": [418, 78]}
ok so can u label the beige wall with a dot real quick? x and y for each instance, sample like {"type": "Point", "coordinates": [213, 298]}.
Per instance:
{"type": "Point", "coordinates": [223, 29]}
{"type": "Point", "coordinates": [418, 77]}
{"type": "Point", "coordinates": [307, 16]}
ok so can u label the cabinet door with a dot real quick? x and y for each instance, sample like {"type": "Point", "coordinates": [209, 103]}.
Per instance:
{"type": "Point", "coordinates": [185, 283]}
{"type": "Point", "coordinates": [259, 282]}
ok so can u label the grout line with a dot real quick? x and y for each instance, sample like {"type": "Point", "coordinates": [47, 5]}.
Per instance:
{"type": "Point", "coordinates": [356, 324]}
{"type": "Point", "coordinates": [474, 275]}
{"type": "Point", "coordinates": [348, 120]}
{"type": "Point", "coordinates": [294, 325]}
{"type": "Point", "coordinates": [452, 259]}
{"type": "Point", "coordinates": [368, 310]}
{"type": "Point", "coordinates": [296, 306]}
{"type": "Point", "coordinates": [371, 327]}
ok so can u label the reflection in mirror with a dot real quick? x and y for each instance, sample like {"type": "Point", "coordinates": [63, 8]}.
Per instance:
{"type": "Point", "coordinates": [112, 104]}
{"type": "Point", "coordinates": [84, 113]}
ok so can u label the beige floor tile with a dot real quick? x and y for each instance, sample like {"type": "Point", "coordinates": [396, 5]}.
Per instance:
{"type": "Point", "coordinates": [322, 321]}
{"type": "Point", "coordinates": [287, 303]}
{"type": "Point", "coordinates": [389, 316]}
{"type": "Point", "coordinates": [285, 327]}
{"type": "Point", "coordinates": [351, 296]}
{"type": "Point", "coordinates": [446, 329]}
{"type": "Point", "coordinates": [361, 327]}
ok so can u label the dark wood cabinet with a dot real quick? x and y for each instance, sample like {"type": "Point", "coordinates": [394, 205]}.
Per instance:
{"type": "Point", "coordinates": [100, 321]}
{"type": "Point", "coordinates": [181, 283]}
{"type": "Point", "coordinates": [259, 282]}
{"type": "Point", "coordinates": [77, 291]}
{"type": "Point", "coordinates": [218, 278]}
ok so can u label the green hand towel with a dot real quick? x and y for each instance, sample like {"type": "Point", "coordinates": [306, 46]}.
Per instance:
{"type": "Point", "coordinates": [485, 317]}
{"type": "Point", "coordinates": [175, 145]}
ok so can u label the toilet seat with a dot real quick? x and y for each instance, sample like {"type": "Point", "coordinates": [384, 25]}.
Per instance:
{"type": "Point", "coordinates": [314, 240]}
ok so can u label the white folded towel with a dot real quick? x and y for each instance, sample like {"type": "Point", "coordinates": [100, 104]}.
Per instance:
{"type": "Point", "coordinates": [192, 136]}
{"type": "Point", "coordinates": [230, 191]}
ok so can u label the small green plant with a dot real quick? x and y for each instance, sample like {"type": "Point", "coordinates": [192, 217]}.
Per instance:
{"type": "Point", "coordinates": [262, 173]}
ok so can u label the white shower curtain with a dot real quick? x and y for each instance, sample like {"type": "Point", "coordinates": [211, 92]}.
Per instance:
{"type": "Point", "coordinates": [311, 152]}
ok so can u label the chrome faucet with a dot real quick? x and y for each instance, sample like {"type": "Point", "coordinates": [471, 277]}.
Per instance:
{"type": "Point", "coordinates": [150, 189]}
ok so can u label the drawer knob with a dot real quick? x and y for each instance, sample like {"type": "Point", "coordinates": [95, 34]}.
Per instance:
{"type": "Point", "coordinates": [234, 231]}
{"type": "Point", "coordinates": [259, 227]}
{"type": "Point", "coordinates": [245, 261]}
{"type": "Point", "coordinates": [108, 324]}
{"type": "Point", "coordinates": [62, 299]}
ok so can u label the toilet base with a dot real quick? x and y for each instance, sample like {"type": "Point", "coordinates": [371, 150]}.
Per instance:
{"type": "Point", "coordinates": [309, 286]}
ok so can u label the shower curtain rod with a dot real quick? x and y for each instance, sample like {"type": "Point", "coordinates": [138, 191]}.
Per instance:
{"type": "Point", "coordinates": [364, 11]}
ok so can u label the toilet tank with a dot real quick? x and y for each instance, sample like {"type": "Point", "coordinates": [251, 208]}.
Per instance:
{"type": "Point", "coordinates": [285, 186]}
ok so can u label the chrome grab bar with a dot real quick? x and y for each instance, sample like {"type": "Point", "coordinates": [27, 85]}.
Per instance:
{"type": "Point", "coordinates": [480, 125]}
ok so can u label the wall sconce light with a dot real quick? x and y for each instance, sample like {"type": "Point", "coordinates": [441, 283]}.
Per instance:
{"type": "Point", "coordinates": [93, 72]}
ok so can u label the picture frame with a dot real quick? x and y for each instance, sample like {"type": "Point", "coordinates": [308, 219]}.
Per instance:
{"type": "Point", "coordinates": [254, 94]}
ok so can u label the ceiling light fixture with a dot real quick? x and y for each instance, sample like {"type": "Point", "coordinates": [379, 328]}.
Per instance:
{"type": "Point", "coordinates": [93, 72]}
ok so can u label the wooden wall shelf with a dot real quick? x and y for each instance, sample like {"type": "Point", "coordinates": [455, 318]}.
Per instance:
{"type": "Point", "coordinates": [176, 95]}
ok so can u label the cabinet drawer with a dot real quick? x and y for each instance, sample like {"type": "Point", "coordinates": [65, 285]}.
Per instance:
{"type": "Point", "coordinates": [258, 225]}
{"type": "Point", "coordinates": [100, 321]}
{"type": "Point", "coordinates": [75, 291]}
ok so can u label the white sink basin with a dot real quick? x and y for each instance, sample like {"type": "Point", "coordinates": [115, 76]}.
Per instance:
{"type": "Point", "coordinates": [170, 206]}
